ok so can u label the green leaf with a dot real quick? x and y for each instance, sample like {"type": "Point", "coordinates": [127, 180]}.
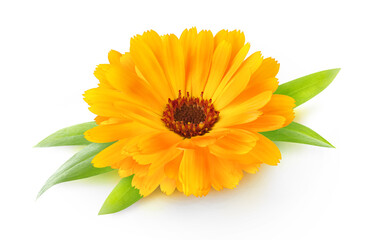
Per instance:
{"type": "Point", "coordinates": [77, 167]}
{"type": "Point", "coordinates": [68, 136]}
{"type": "Point", "coordinates": [297, 133]}
{"type": "Point", "coordinates": [307, 87]}
{"type": "Point", "coordinates": [123, 196]}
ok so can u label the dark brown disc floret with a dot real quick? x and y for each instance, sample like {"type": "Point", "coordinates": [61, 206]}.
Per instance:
{"type": "Point", "coordinates": [190, 116]}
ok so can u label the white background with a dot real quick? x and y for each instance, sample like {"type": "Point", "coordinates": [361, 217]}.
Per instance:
{"type": "Point", "coordinates": [48, 53]}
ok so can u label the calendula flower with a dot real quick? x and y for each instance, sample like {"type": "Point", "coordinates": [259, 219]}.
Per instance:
{"type": "Point", "coordinates": [187, 113]}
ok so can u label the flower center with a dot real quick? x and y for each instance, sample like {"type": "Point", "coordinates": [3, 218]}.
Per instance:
{"type": "Point", "coordinates": [189, 116]}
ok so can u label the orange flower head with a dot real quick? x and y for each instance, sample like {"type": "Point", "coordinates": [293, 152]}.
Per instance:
{"type": "Point", "coordinates": [186, 113]}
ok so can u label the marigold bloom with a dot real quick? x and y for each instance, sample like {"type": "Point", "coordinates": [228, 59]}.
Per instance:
{"type": "Point", "coordinates": [186, 113]}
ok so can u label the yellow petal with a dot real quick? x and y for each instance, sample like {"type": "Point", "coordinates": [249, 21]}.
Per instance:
{"type": "Point", "coordinates": [194, 173]}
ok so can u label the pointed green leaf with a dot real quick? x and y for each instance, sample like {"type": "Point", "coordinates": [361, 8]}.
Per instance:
{"type": "Point", "coordinates": [77, 167]}
{"type": "Point", "coordinates": [68, 136]}
{"type": "Point", "coordinates": [305, 88]}
{"type": "Point", "coordinates": [123, 196]}
{"type": "Point", "coordinates": [297, 133]}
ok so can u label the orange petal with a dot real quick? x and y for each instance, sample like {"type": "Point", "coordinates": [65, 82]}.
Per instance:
{"type": "Point", "coordinates": [136, 90]}
{"type": "Point", "coordinates": [171, 169]}
{"type": "Point", "coordinates": [114, 132]}
{"type": "Point", "coordinates": [114, 57]}
{"type": "Point", "coordinates": [158, 141]}
{"type": "Point", "coordinates": [264, 123]}
{"type": "Point", "coordinates": [220, 61]}
{"type": "Point", "coordinates": [265, 151]}
{"type": "Point", "coordinates": [106, 110]}
{"type": "Point", "coordinates": [141, 115]}
{"type": "Point", "coordinates": [199, 69]}
{"type": "Point", "coordinates": [157, 160]}
{"type": "Point", "coordinates": [103, 95]}
{"type": "Point", "coordinates": [110, 156]}
{"type": "Point", "coordinates": [237, 142]}
{"type": "Point", "coordinates": [263, 79]}
{"type": "Point", "coordinates": [235, 114]}
{"type": "Point", "coordinates": [188, 42]}
{"type": "Point", "coordinates": [236, 38]}
{"type": "Point", "coordinates": [100, 74]}
{"type": "Point", "coordinates": [168, 186]}
{"type": "Point", "coordinates": [175, 62]}
{"type": "Point", "coordinates": [100, 119]}
{"type": "Point", "coordinates": [268, 69]}
{"type": "Point", "coordinates": [281, 105]}
{"type": "Point", "coordinates": [209, 138]}
{"type": "Point", "coordinates": [251, 168]}
{"type": "Point", "coordinates": [194, 173]}
{"type": "Point", "coordinates": [149, 66]}
{"type": "Point", "coordinates": [103, 101]}
{"type": "Point", "coordinates": [232, 70]}
{"type": "Point", "coordinates": [127, 62]}
{"type": "Point", "coordinates": [236, 85]}
{"type": "Point", "coordinates": [147, 184]}
{"type": "Point", "coordinates": [224, 173]}
{"type": "Point", "coordinates": [126, 167]}
{"type": "Point", "coordinates": [254, 61]}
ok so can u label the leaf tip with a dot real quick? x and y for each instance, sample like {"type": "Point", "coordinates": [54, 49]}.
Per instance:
{"type": "Point", "coordinates": [40, 144]}
{"type": "Point", "coordinates": [42, 190]}
{"type": "Point", "coordinates": [336, 70]}
{"type": "Point", "coordinates": [104, 211]}
{"type": "Point", "coordinates": [39, 194]}
{"type": "Point", "coordinates": [327, 144]}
